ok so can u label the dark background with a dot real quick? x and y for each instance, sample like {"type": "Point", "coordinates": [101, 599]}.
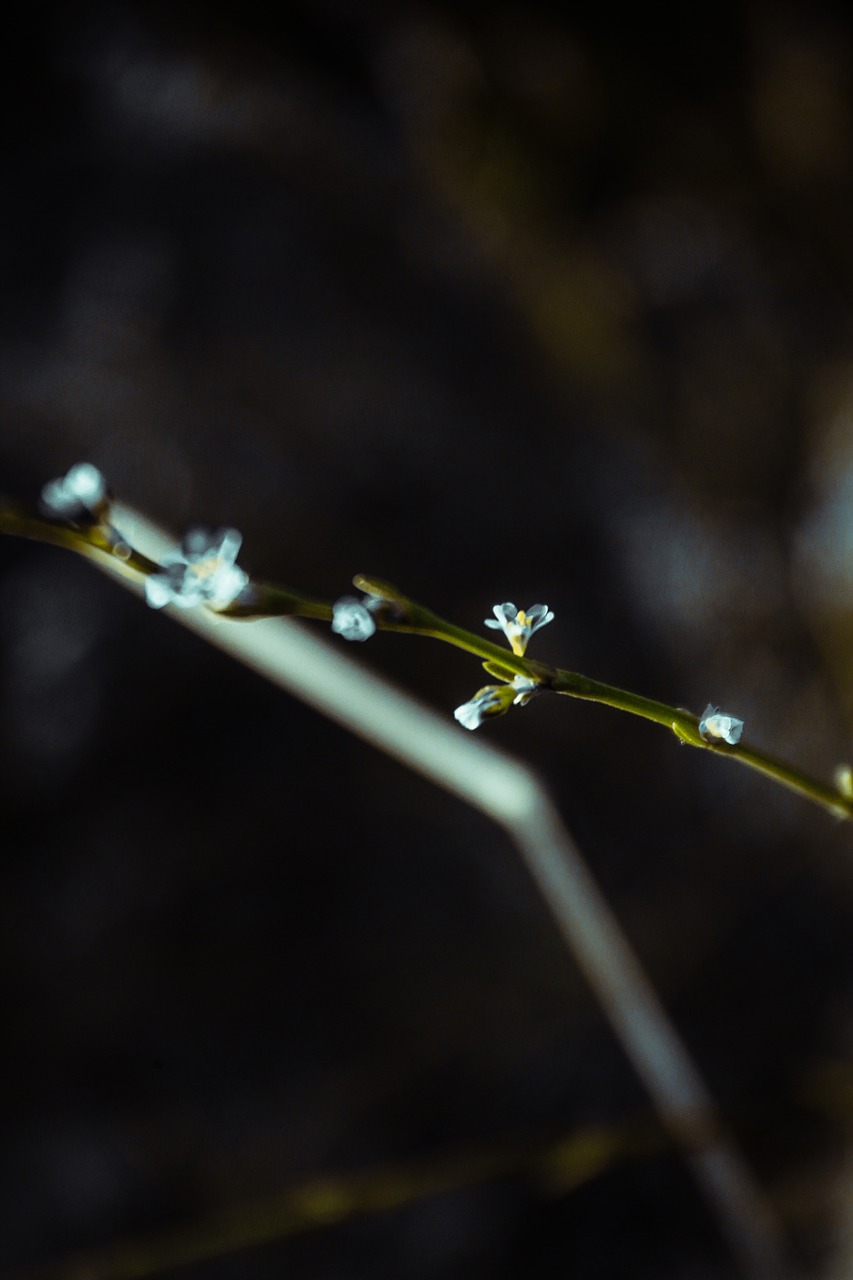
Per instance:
{"type": "Point", "coordinates": [529, 302]}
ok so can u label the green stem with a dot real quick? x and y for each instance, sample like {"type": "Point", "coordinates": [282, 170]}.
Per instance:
{"type": "Point", "coordinates": [399, 613]}
{"type": "Point", "coordinates": [96, 542]}
{"type": "Point", "coordinates": [683, 724]}
{"type": "Point", "coordinates": [267, 601]}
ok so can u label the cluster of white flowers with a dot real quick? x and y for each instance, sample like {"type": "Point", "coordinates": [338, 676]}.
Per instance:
{"type": "Point", "coordinates": [203, 572]}
{"type": "Point", "coordinates": [518, 625]}
{"type": "Point", "coordinates": [717, 724]}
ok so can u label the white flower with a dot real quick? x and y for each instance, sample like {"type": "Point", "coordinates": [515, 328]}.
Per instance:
{"type": "Point", "coordinates": [517, 625]}
{"type": "Point", "coordinates": [351, 617]}
{"type": "Point", "coordinates": [203, 572]}
{"type": "Point", "coordinates": [488, 702]}
{"type": "Point", "coordinates": [715, 724]}
{"type": "Point", "coordinates": [80, 493]}
{"type": "Point", "coordinates": [525, 689]}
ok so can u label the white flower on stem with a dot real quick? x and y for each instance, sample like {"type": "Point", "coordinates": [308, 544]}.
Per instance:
{"type": "Point", "coordinates": [494, 700]}
{"type": "Point", "coordinates": [351, 617]}
{"type": "Point", "coordinates": [518, 625]}
{"type": "Point", "coordinates": [203, 572]}
{"type": "Point", "coordinates": [81, 494]}
{"type": "Point", "coordinates": [716, 724]}
{"type": "Point", "coordinates": [487, 702]}
{"type": "Point", "coordinates": [525, 689]}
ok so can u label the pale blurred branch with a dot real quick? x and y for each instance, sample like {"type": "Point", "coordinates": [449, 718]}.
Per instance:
{"type": "Point", "coordinates": [509, 793]}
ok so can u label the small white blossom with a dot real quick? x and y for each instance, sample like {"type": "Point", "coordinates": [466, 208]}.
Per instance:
{"type": "Point", "coordinates": [351, 617]}
{"type": "Point", "coordinates": [715, 724]}
{"type": "Point", "coordinates": [517, 625]}
{"type": "Point", "coordinates": [80, 493]}
{"type": "Point", "coordinates": [525, 689]}
{"type": "Point", "coordinates": [486, 703]}
{"type": "Point", "coordinates": [204, 572]}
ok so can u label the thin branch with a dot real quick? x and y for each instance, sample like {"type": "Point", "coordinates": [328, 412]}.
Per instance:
{"type": "Point", "coordinates": [407, 616]}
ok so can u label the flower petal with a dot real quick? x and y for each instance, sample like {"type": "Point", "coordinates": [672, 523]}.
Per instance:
{"type": "Point", "coordinates": [158, 592]}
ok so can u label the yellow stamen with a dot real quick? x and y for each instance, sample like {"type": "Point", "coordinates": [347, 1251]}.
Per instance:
{"type": "Point", "coordinates": [205, 568]}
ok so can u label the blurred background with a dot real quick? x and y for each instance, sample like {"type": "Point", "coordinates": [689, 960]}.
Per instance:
{"type": "Point", "coordinates": [495, 301]}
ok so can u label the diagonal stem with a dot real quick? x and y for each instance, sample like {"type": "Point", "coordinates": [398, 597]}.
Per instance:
{"type": "Point", "coordinates": [405, 615]}
{"type": "Point", "coordinates": [509, 793]}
